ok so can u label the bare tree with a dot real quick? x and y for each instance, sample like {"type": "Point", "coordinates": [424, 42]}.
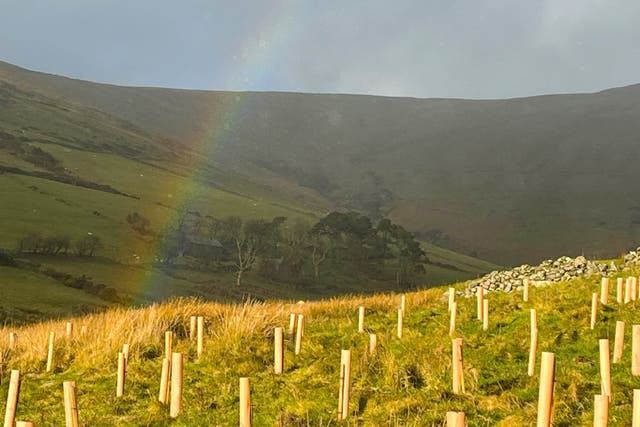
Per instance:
{"type": "Point", "coordinates": [320, 246]}
{"type": "Point", "coordinates": [88, 245]}
{"type": "Point", "coordinates": [31, 243]}
{"type": "Point", "coordinates": [250, 239]}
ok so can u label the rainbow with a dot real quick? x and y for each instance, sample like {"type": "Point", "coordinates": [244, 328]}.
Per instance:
{"type": "Point", "coordinates": [254, 55]}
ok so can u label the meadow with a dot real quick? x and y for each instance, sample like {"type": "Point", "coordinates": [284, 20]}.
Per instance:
{"type": "Point", "coordinates": [406, 382]}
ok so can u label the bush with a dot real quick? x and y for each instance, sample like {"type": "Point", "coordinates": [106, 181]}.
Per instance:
{"type": "Point", "coordinates": [7, 260]}
{"type": "Point", "coordinates": [84, 283]}
{"type": "Point", "coordinates": [139, 223]}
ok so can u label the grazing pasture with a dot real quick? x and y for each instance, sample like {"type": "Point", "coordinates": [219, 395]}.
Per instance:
{"type": "Point", "coordinates": [405, 380]}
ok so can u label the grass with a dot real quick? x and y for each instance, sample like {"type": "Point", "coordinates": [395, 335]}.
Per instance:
{"type": "Point", "coordinates": [156, 186]}
{"type": "Point", "coordinates": [449, 266]}
{"type": "Point", "coordinates": [406, 383]}
{"type": "Point", "coordinates": [25, 295]}
{"type": "Point", "coordinates": [455, 259]}
{"type": "Point", "coordinates": [146, 284]}
{"type": "Point", "coordinates": [35, 204]}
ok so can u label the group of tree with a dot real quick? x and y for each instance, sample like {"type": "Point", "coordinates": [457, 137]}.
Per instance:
{"type": "Point", "coordinates": [34, 243]}
{"type": "Point", "coordinates": [139, 223]}
{"type": "Point", "coordinates": [299, 252]}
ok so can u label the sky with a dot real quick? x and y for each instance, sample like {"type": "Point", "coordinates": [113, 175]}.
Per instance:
{"type": "Point", "coordinates": [448, 48]}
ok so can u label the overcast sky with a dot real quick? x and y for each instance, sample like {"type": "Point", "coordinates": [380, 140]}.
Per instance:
{"type": "Point", "coordinates": [446, 48]}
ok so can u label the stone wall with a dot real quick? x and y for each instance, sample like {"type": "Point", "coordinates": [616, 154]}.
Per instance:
{"type": "Point", "coordinates": [562, 269]}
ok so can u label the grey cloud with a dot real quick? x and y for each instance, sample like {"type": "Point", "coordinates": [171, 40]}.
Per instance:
{"type": "Point", "coordinates": [453, 48]}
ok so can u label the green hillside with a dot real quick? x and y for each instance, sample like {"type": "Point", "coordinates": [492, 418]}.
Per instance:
{"type": "Point", "coordinates": [34, 204]}
{"type": "Point", "coordinates": [510, 181]}
{"type": "Point", "coordinates": [406, 382]}
{"type": "Point", "coordinates": [68, 171]}
{"type": "Point", "coordinates": [28, 296]}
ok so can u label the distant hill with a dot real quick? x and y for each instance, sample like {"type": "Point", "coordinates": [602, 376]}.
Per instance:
{"type": "Point", "coordinates": [511, 181]}
{"type": "Point", "coordinates": [68, 171]}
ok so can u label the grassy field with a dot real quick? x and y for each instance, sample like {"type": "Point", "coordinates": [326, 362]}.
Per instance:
{"type": "Point", "coordinates": [40, 205]}
{"type": "Point", "coordinates": [445, 257]}
{"type": "Point", "coordinates": [158, 186]}
{"type": "Point", "coordinates": [25, 295]}
{"type": "Point", "coordinates": [406, 383]}
{"type": "Point", "coordinates": [146, 284]}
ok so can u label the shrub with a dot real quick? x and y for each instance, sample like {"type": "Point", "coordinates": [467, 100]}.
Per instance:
{"type": "Point", "coordinates": [7, 260]}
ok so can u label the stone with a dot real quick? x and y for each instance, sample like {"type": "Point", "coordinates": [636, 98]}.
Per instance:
{"type": "Point", "coordinates": [549, 271]}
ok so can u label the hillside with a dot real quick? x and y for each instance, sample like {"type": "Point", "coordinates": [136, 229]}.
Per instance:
{"type": "Point", "coordinates": [406, 382]}
{"type": "Point", "coordinates": [68, 171]}
{"type": "Point", "coordinates": [510, 181]}
{"type": "Point", "coordinates": [22, 298]}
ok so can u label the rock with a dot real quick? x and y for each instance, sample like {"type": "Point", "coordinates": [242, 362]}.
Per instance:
{"type": "Point", "coordinates": [547, 272]}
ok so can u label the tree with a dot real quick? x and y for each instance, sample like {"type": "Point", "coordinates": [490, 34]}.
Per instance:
{"type": "Point", "coordinates": [337, 223]}
{"type": "Point", "coordinates": [31, 243]}
{"type": "Point", "coordinates": [55, 245]}
{"type": "Point", "coordinates": [292, 249]}
{"type": "Point", "coordinates": [88, 245]}
{"type": "Point", "coordinates": [250, 240]}
{"type": "Point", "coordinates": [214, 228]}
{"type": "Point", "coordinates": [139, 223]}
{"type": "Point", "coordinates": [294, 237]}
{"type": "Point", "coordinates": [349, 233]}
{"type": "Point", "coordinates": [320, 245]}
{"type": "Point", "coordinates": [62, 244]}
{"type": "Point", "coordinates": [403, 249]}
{"type": "Point", "coordinates": [172, 240]}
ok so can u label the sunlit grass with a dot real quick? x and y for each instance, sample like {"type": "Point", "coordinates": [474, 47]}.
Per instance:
{"type": "Point", "coordinates": [407, 382]}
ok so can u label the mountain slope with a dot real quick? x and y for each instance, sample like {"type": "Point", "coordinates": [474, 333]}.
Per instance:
{"type": "Point", "coordinates": [507, 180]}
{"type": "Point", "coordinates": [68, 171]}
